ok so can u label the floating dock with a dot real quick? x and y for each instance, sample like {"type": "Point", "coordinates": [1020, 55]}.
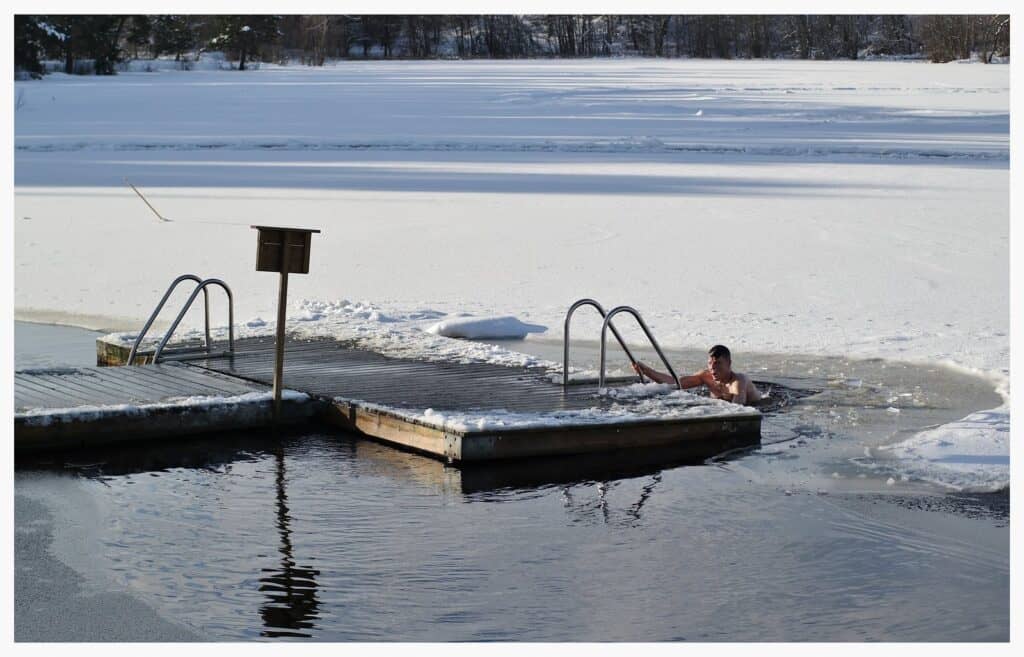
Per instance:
{"type": "Point", "coordinates": [59, 408]}
{"type": "Point", "coordinates": [459, 412]}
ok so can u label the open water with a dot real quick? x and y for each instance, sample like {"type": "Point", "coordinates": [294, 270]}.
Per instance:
{"type": "Point", "coordinates": [319, 535]}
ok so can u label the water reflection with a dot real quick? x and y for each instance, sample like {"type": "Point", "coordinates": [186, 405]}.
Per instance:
{"type": "Point", "coordinates": [485, 482]}
{"type": "Point", "coordinates": [602, 549]}
{"type": "Point", "coordinates": [291, 590]}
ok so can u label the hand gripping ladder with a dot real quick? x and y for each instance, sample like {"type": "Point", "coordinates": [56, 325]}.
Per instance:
{"type": "Point", "coordinates": [204, 351]}
{"type": "Point", "coordinates": [604, 332]}
{"type": "Point", "coordinates": [654, 343]}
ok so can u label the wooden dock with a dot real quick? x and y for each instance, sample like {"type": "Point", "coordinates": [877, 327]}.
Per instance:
{"type": "Point", "coordinates": [82, 406]}
{"type": "Point", "coordinates": [388, 399]}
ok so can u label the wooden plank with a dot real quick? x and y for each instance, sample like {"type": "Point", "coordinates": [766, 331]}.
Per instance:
{"type": "Point", "coordinates": [487, 445]}
{"type": "Point", "coordinates": [133, 380]}
{"type": "Point", "coordinates": [97, 389]}
{"type": "Point", "coordinates": [60, 392]}
{"type": "Point", "coordinates": [190, 382]}
{"type": "Point", "coordinates": [143, 377]}
{"type": "Point", "coordinates": [388, 428]}
{"type": "Point", "coordinates": [137, 384]}
{"type": "Point", "coordinates": [27, 398]}
{"type": "Point", "coordinates": [427, 384]}
{"type": "Point", "coordinates": [564, 440]}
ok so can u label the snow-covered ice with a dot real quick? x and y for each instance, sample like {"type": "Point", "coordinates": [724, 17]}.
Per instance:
{"type": "Point", "coordinates": [972, 454]}
{"type": "Point", "coordinates": [839, 208]}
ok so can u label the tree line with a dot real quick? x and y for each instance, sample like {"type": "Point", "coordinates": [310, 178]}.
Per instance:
{"type": "Point", "coordinates": [97, 43]}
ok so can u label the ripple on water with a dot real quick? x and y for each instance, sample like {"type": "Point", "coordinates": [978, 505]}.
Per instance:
{"type": "Point", "coordinates": [339, 539]}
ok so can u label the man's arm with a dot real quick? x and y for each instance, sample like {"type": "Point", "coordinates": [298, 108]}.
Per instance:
{"type": "Point", "coordinates": [691, 381]}
{"type": "Point", "coordinates": [660, 377]}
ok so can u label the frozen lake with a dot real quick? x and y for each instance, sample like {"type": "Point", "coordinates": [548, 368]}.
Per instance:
{"type": "Point", "coordinates": [839, 208]}
{"type": "Point", "coordinates": [840, 225]}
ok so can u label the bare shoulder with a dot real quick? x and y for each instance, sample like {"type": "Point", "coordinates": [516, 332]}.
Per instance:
{"type": "Point", "coordinates": [745, 382]}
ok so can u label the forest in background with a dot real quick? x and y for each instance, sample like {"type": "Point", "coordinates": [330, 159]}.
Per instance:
{"type": "Point", "coordinates": [97, 44]}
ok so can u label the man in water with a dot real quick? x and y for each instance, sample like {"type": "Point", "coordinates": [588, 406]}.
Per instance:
{"type": "Point", "coordinates": [721, 381]}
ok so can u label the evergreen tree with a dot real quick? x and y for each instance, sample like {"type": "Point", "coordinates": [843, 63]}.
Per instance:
{"type": "Point", "coordinates": [30, 37]}
{"type": "Point", "coordinates": [173, 35]}
{"type": "Point", "coordinates": [246, 35]}
{"type": "Point", "coordinates": [101, 40]}
{"type": "Point", "coordinates": [138, 35]}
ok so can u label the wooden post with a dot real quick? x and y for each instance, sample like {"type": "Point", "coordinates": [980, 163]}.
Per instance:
{"type": "Point", "coordinates": [274, 247]}
{"type": "Point", "coordinates": [282, 306]}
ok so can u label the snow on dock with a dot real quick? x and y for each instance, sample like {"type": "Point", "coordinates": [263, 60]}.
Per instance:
{"type": "Point", "coordinates": [457, 411]}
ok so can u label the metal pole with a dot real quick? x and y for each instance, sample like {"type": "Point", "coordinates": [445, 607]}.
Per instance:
{"type": "Point", "coordinates": [206, 310]}
{"type": "Point", "coordinates": [282, 305]}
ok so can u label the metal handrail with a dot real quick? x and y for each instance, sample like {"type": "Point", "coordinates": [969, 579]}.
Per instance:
{"type": "Point", "coordinates": [160, 306]}
{"type": "Point", "coordinates": [188, 304]}
{"type": "Point", "coordinates": [647, 331]}
{"type": "Point", "coordinates": [565, 337]}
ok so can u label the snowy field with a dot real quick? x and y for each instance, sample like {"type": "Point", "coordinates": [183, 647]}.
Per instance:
{"type": "Point", "coordinates": [841, 208]}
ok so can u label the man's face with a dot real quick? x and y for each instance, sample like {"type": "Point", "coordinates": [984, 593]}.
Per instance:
{"type": "Point", "coordinates": [720, 367]}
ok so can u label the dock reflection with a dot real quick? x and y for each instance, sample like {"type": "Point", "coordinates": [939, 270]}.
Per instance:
{"type": "Point", "coordinates": [291, 590]}
{"type": "Point", "coordinates": [474, 480]}
{"type": "Point", "coordinates": [477, 480]}
{"type": "Point", "coordinates": [291, 600]}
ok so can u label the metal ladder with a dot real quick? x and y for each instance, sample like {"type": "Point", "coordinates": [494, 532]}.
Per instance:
{"type": "Point", "coordinates": [604, 336]}
{"type": "Point", "coordinates": [189, 353]}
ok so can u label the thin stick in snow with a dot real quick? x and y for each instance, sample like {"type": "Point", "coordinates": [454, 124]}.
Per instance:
{"type": "Point", "coordinates": [158, 215]}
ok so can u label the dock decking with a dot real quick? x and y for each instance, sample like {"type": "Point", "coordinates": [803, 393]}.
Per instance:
{"type": "Point", "coordinates": [77, 406]}
{"type": "Point", "coordinates": [387, 398]}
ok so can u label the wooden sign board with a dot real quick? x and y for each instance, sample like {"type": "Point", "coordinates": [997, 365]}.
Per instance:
{"type": "Point", "coordinates": [271, 243]}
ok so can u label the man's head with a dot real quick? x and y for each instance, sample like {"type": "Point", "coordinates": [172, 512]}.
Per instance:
{"type": "Point", "coordinates": [720, 362]}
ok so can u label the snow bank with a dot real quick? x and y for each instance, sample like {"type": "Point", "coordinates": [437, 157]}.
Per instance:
{"type": "Point", "coordinates": [397, 333]}
{"type": "Point", "coordinates": [482, 328]}
{"type": "Point", "coordinates": [972, 454]}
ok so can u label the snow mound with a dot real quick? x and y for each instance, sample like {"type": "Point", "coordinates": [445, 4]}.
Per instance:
{"type": "Point", "coordinates": [485, 328]}
{"type": "Point", "coordinates": [971, 455]}
{"type": "Point", "coordinates": [637, 390]}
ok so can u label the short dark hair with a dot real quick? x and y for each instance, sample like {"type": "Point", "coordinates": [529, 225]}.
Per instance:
{"type": "Point", "coordinates": [720, 351]}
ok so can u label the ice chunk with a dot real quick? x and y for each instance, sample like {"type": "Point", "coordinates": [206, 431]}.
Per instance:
{"type": "Point", "coordinates": [971, 454]}
{"type": "Point", "coordinates": [485, 327]}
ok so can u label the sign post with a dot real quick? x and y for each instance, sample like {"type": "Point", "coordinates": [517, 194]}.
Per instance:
{"type": "Point", "coordinates": [282, 250]}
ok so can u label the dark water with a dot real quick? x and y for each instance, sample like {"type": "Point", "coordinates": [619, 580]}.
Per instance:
{"type": "Point", "coordinates": [319, 535]}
